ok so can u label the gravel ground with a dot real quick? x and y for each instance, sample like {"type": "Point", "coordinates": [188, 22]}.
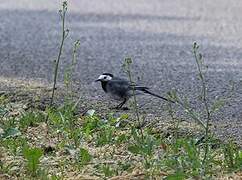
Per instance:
{"type": "Point", "coordinates": [157, 34]}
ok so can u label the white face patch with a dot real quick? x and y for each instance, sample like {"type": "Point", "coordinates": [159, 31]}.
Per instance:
{"type": "Point", "coordinates": [104, 77]}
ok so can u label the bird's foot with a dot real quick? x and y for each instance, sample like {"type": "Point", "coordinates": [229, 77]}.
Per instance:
{"type": "Point", "coordinates": [125, 108]}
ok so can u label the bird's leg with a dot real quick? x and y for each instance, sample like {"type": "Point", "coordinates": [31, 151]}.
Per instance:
{"type": "Point", "coordinates": [121, 104]}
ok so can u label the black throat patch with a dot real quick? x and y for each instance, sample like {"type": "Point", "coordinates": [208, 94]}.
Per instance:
{"type": "Point", "coordinates": [104, 85]}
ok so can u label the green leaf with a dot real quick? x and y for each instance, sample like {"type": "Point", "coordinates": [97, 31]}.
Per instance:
{"type": "Point", "coordinates": [91, 124]}
{"type": "Point", "coordinates": [107, 170]}
{"type": "Point", "coordinates": [32, 155]}
{"type": "Point", "coordinates": [240, 154]}
{"type": "Point", "coordinates": [134, 149]}
{"type": "Point", "coordinates": [11, 132]}
{"type": "Point", "coordinates": [105, 135]}
{"type": "Point", "coordinates": [124, 116]}
{"type": "Point", "coordinates": [2, 110]}
{"type": "Point", "coordinates": [176, 176]}
{"type": "Point", "coordinates": [84, 156]}
{"type": "Point", "coordinates": [121, 139]}
{"type": "Point", "coordinates": [31, 119]}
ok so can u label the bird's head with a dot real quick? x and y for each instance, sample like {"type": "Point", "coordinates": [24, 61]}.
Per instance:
{"type": "Point", "coordinates": [105, 77]}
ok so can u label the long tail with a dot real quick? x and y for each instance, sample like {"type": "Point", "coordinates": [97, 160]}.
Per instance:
{"type": "Point", "coordinates": [145, 90]}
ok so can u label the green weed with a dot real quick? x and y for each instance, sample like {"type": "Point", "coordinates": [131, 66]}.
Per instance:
{"type": "Point", "coordinates": [232, 157]}
{"type": "Point", "coordinates": [84, 157]}
{"type": "Point", "coordinates": [105, 135]}
{"type": "Point", "coordinates": [13, 145]}
{"type": "Point", "coordinates": [91, 125]}
{"type": "Point", "coordinates": [32, 155]}
{"type": "Point", "coordinates": [107, 170]}
{"type": "Point", "coordinates": [30, 119]}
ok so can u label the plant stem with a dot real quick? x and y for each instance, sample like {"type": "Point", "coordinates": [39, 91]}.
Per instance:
{"type": "Point", "coordinates": [68, 76]}
{"type": "Point", "coordinates": [198, 58]}
{"type": "Point", "coordinates": [63, 37]}
{"type": "Point", "coordinates": [128, 61]}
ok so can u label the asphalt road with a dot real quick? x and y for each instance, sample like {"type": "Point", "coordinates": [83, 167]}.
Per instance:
{"type": "Point", "coordinates": [157, 34]}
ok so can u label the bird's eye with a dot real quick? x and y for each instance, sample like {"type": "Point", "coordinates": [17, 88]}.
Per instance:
{"type": "Point", "coordinates": [105, 77]}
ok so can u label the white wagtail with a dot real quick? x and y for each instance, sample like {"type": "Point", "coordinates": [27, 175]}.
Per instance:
{"type": "Point", "coordinates": [121, 89]}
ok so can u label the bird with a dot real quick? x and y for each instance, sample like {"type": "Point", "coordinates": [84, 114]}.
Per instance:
{"type": "Point", "coordinates": [122, 89]}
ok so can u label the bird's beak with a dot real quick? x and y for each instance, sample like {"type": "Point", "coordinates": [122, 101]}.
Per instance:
{"type": "Point", "coordinates": [97, 80]}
